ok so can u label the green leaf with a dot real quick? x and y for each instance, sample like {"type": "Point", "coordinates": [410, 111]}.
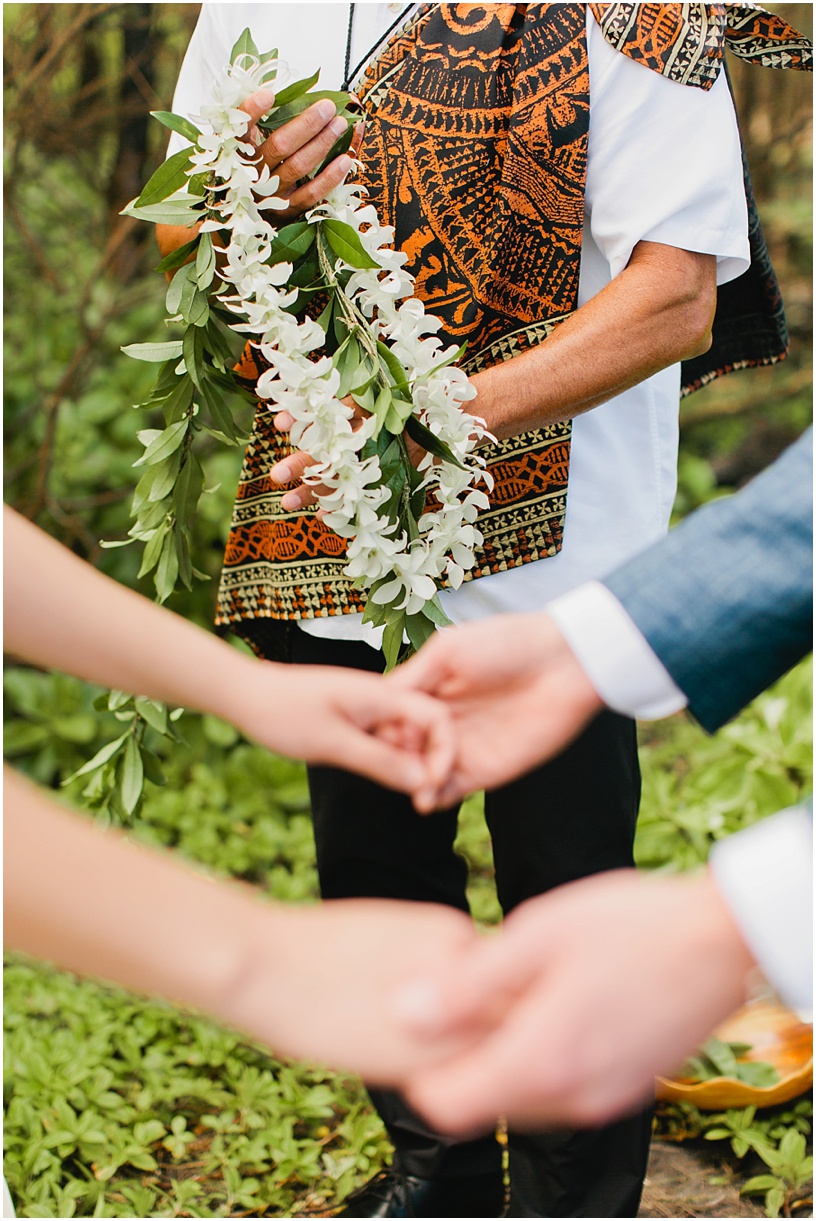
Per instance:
{"type": "Point", "coordinates": [347, 362]}
{"type": "Point", "coordinates": [117, 700]}
{"type": "Point", "coordinates": [419, 628]}
{"type": "Point", "coordinates": [193, 351]}
{"type": "Point", "coordinates": [167, 569]}
{"type": "Point", "coordinates": [150, 516]}
{"type": "Point", "coordinates": [244, 46]}
{"type": "Point", "coordinates": [205, 262]}
{"type": "Point", "coordinates": [382, 406]}
{"type": "Point", "coordinates": [185, 567]}
{"type": "Point", "coordinates": [721, 1056]}
{"type": "Point", "coordinates": [180, 283]}
{"type": "Point", "coordinates": [374, 613]}
{"type": "Point", "coordinates": [758, 1073]}
{"type": "Point", "coordinates": [153, 352]}
{"type": "Point", "coordinates": [296, 89]}
{"type": "Point", "coordinates": [367, 374]}
{"type": "Point", "coordinates": [392, 641]}
{"type": "Point", "coordinates": [759, 1183]}
{"type": "Point", "coordinates": [198, 184]}
{"type": "Point", "coordinates": [341, 145]}
{"type": "Point", "coordinates": [306, 273]}
{"type": "Point", "coordinates": [194, 305]}
{"type": "Point", "coordinates": [165, 478]}
{"type": "Point", "coordinates": [396, 372]}
{"type": "Point", "coordinates": [364, 399]}
{"type": "Point", "coordinates": [324, 318]}
{"type": "Point", "coordinates": [292, 242]}
{"type": "Point", "coordinates": [165, 443]}
{"type": "Point", "coordinates": [189, 487]}
{"type": "Point", "coordinates": [132, 775]}
{"type": "Point", "coordinates": [101, 757]}
{"type": "Point", "coordinates": [177, 122]}
{"type": "Point", "coordinates": [152, 551]}
{"type": "Point", "coordinates": [151, 711]}
{"type": "Point", "coordinates": [218, 409]}
{"type": "Point", "coordinates": [179, 400]}
{"type": "Point", "coordinates": [168, 212]}
{"type": "Point", "coordinates": [397, 415]}
{"type": "Point", "coordinates": [271, 70]}
{"type": "Point", "coordinates": [423, 436]}
{"type": "Point", "coordinates": [433, 611]}
{"type": "Point", "coordinates": [346, 244]}
{"type": "Point", "coordinates": [152, 767]}
{"type": "Point", "coordinates": [170, 175]}
{"type": "Point", "coordinates": [178, 257]}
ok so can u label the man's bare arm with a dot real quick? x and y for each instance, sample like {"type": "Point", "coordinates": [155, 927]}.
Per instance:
{"type": "Point", "coordinates": [658, 311]}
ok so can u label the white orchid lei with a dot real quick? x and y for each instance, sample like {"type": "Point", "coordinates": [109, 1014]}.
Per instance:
{"type": "Point", "coordinates": [380, 352]}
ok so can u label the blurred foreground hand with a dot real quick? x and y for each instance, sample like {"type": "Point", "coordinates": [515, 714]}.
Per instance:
{"type": "Point", "coordinates": [597, 988]}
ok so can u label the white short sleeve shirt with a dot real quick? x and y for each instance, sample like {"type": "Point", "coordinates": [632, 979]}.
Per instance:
{"type": "Point", "coordinates": [664, 165]}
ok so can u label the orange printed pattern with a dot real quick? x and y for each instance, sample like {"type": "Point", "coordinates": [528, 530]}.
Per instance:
{"type": "Point", "coordinates": [475, 150]}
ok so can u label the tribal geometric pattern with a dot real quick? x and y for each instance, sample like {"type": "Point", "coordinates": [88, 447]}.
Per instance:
{"type": "Point", "coordinates": [686, 42]}
{"type": "Point", "coordinates": [477, 119]}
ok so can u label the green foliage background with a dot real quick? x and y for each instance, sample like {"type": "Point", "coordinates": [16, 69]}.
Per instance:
{"type": "Point", "coordinates": [118, 1106]}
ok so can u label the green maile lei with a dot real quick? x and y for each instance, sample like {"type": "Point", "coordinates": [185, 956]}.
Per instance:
{"type": "Point", "coordinates": [378, 350]}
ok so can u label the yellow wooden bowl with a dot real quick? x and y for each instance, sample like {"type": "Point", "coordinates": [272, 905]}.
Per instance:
{"type": "Point", "coordinates": [778, 1037]}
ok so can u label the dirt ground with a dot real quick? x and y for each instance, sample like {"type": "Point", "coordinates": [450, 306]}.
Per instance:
{"type": "Point", "coordinates": [684, 1180]}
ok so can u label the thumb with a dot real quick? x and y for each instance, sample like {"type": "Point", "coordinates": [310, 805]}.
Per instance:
{"type": "Point", "coordinates": [476, 991]}
{"type": "Point", "coordinates": [258, 103]}
{"type": "Point", "coordinates": [425, 671]}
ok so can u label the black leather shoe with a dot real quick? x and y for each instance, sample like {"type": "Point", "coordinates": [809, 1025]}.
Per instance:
{"type": "Point", "coordinates": [391, 1194]}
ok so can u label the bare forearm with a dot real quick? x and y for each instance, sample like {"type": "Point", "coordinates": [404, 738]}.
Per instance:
{"type": "Point", "coordinates": [62, 613]}
{"type": "Point", "coordinates": [656, 312]}
{"type": "Point", "coordinates": [95, 903]}
{"type": "Point", "coordinates": [78, 896]}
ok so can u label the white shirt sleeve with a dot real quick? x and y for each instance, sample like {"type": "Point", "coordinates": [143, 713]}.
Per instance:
{"type": "Point", "coordinates": [765, 875]}
{"type": "Point", "coordinates": [688, 192]}
{"type": "Point", "coordinates": [216, 31]}
{"type": "Point", "coordinates": [614, 654]}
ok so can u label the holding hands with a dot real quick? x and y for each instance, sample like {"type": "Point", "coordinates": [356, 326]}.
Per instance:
{"type": "Point", "coordinates": [471, 1027]}
{"type": "Point", "coordinates": [516, 695]}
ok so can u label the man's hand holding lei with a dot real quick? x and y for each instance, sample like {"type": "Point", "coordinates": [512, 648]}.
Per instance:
{"type": "Point", "coordinates": [328, 282]}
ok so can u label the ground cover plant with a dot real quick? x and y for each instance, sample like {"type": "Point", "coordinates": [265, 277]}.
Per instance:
{"type": "Point", "coordinates": [119, 1106]}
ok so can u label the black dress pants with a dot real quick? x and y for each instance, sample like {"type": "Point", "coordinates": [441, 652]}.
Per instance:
{"type": "Point", "coordinates": [573, 817]}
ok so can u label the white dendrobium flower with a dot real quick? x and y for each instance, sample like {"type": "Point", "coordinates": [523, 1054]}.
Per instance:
{"type": "Point", "coordinates": [353, 497]}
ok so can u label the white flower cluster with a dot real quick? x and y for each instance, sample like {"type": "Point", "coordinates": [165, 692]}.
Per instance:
{"type": "Point", "coordinates": [324, 426]}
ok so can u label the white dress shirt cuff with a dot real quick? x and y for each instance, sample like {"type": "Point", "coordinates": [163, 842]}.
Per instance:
{"type": "Point", "coordinates": [765, 875]}
{"type": "Point", "coordinates": [614, 654]}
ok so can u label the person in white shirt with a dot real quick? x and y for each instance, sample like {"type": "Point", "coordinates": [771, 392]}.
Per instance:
{"type": "Point", "coordinates": [600, 216]}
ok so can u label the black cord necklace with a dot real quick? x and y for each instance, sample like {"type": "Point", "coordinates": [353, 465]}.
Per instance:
{"type": "Point", "coordinates": [350, 76]}
{"type": "Point", "coordinates": [346, 77]}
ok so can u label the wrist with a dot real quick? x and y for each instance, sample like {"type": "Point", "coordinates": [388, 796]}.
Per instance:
{"type": "Point", "coordinates": [237, 689]}
{"type": "Point", "coordinates": [550, 651]}
{"type": "Point", "coordinates": [254, 994]}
